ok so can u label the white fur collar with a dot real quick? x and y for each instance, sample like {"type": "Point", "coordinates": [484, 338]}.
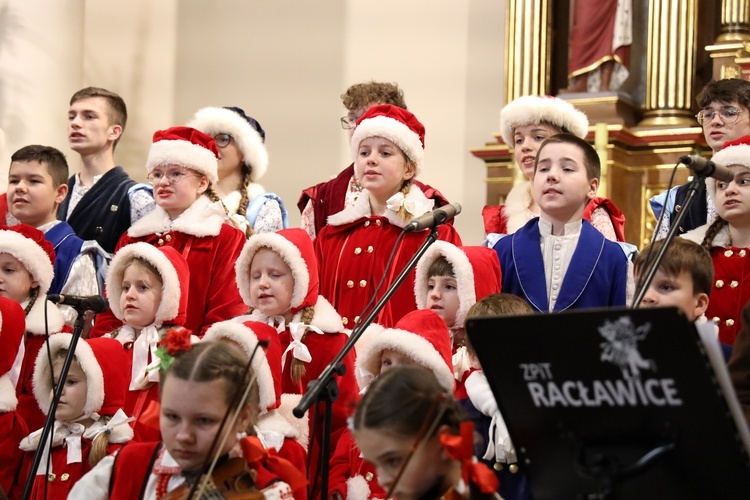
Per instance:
{"type": "Point", "coordinates": [325, 317]}
{"type": "Point", "coordinates": [8, 399]}
{"type": "Point", "coordinates": [301, 425]}
{"type": "Point", "coordinates": [361, 208]}
{"type": "Point", "coordinates": [516, 208]}
{"type": "Point", "coordinates": [232, 200]}
{"type": "Point", "coordinates": [722, 238]}
{"type": "Point", "coordinates": [202, 218]}
{"type": "Point", "coordinates": [35, 318]}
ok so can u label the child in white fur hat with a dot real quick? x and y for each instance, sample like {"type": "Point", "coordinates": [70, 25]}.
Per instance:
{"type": "Point", "coordinates": [26, 260]}
{"type": "Point", "coordinates": [243, 160]}
{"type": "Point", "coordinates": [420, 338]}
{"type": "Point", "coordinates": [524, 124]}
{"type": "Point", "coordinates": [182, 166]}
{"type": "Point", "coordinates": [353, 249]}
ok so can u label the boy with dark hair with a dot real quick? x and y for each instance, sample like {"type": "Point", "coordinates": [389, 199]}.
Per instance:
{"type": "Point", "coordinates": [724, 116]}
{"type": "Point", "coordinates": [102, 200]}
{"type": "Point", "coordinates": [36, 187]}
{"type": "Point", "coordinates": [317, 202]}
{"type": "Point", "coordinates": [581, 268]}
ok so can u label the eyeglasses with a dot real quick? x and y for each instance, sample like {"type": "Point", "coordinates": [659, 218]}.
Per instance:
{"type": "Point", "coordinates": [347, 123]}
{"type": "Point", "coordinates": [173, 176]}
{"type": "Point", "coordinates": [727, 114]}
{"type": "Point", "coordinates": [222, 140]}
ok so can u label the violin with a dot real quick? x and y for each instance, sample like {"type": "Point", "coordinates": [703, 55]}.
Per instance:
{"type": "Point", "coordinates": [231, 480]}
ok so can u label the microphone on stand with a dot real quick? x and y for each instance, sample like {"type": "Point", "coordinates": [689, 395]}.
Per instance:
{"type": "Point", "coordinates": [706, 168]}
{"type": "Point", "coordinates": [435, 218]}
{"type": "Point", "coordinates": [95, 303]}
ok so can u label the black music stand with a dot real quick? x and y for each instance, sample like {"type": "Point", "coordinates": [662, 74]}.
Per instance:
{"type": "Point", "coordinates": [616, 403]}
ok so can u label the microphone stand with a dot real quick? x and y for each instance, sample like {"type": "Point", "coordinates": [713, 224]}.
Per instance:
{"type": "Point", "coordinates": [50, 420]}
{"type": "Point", "coordinates": [324, 389]}
{"type": "Point", "coordinates": [675, 226]}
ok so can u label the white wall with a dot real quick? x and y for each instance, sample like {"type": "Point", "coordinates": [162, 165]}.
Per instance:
{"type": "Point", "coordinates": [285, 62]}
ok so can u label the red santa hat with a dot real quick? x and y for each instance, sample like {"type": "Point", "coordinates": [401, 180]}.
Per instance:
{"type": "Point", "coordinates": [395, 124]}
{"type": "Point", "coordinates": [266, 362]}
{"type": "Point", "coordinates": [185, 147]}
{"type": "Point", "coordinates": [27, 244]}
{"type": "Point", "coordinates": [533, 109]}
{"type": "Point", "coordinates": [101, 360]}
{"type": "Point", "coordinates": [736, 152]}
{"type": "Point", "coordinates": [421, 335]}
{"type": "Point", "coordinates": [12, 328]}
{"type": "Point", "coordinates": [295, 247]}
{"type": "Point", "coordinates": [247, 133]}
{"type": "Point", "coordinates": [476, 269]}
{"type": "Point", "coordinates": [173, 271]}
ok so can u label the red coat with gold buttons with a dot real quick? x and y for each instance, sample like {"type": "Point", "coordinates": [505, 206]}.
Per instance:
{"type": "Point", "coordinates": [352, 252]}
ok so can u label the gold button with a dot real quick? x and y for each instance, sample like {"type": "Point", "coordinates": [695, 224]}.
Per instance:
{"type": "Point", "coordinates": [350, 284]}
{"type": "Point", "coordinates": [728, 253]}
{"type": "Point", "coordinates": [370, 249]}
{"type": "Point", "coordinates": [716, 320]}
{"type": "Point", "coordinates": [730, 322]}
{"type": "Point", "coordinates": [378, 222]}
{"type": "Point", "coordinates": [51, 477]}
{"type": "Point", "coordinates": [497, 466]}
{"type": "Point", "coordinates": [513, 468]}
{"type": "Point", "coordinates": [168, 237]}
{"type": "Point", "coordinates": [160, 242]}
{"type": "Point", "coordinates": [719, 283]}
{"type": "Point", "coordinates": [357, 251]}
{"type": "Point", "coordinates": [742, 253]}
{"type": "Point", "coordinates": [367, 223]}
{"type": "Point", "coordinates": [369, 476]}
{"type": "Point", "coordinates": [344, 321]}
{"type": "Point", "coordinates": [734, 284]}
{"type": "Point", "coordinates": [65, 476]}
{"type": "Point", "coordinates": [362, 284]}
{"type": "Point", "coordinates": [356, 320]}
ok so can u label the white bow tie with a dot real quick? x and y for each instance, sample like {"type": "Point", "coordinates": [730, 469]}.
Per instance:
{"type": "Point", "coordinates": [298, 348]}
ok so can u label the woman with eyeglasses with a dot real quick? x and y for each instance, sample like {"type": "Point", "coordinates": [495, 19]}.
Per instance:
{"type": "Point", "coordinates": [243, 160]}
{"type": "Point", "coordinates": [725, 117]}
{"type": "Point", "coordinates": [182, 166]}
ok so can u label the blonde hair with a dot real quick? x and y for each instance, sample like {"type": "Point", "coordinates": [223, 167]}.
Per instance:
{"type": "Point", "coordinates": [297, 368]}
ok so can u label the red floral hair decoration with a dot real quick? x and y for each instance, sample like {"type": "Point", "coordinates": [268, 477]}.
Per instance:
{"type": "Point", "coordinates": [174, 341]}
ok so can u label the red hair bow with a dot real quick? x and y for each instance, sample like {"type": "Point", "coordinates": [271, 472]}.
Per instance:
{"type": "Point", "coordinates": [461, 447]}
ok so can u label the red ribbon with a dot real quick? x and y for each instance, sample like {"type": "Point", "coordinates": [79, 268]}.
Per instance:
{"type": "Point", "coordinates": [255, 453]}
{"type": "Point", "coordinates": [461, 447]}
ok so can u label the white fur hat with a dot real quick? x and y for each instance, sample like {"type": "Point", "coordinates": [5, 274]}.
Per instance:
{"type": "Point", "coordinates": [536, 109]}
{"type": "Point", "coordinates": [735, 152]}
{"type": "Point", "coordinates": [185, 147]}
{"type": "Point", "coordinates": [246, 131]}
{"type": "Point", "coordinates": [28, 245]}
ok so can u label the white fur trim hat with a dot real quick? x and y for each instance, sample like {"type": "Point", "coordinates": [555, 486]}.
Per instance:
{"type": "Point", "coordinates": [185, 147]}
{"type": "Point", "coordinates": [395, 124]}
{"type": "Point", "coordinates": [27, 244]}
{"type": "Point", "coordinates": [735, 152]}
{"type": "Point", "coordinates": [536, 109]}
{"type": "Point", "coordinates": [245, 130]}
{"type": "Point", "coordinates": [422, 336]}
{"type": "Point", "coordinates": [174, 274]}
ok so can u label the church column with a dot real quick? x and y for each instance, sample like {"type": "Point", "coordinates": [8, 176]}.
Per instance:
{"type": "Point", "coordinates": [527, 48]}
{"type": "Point", "coordinates": [670, 62]}
{"type": "Point", "coordinates": [730, 50]}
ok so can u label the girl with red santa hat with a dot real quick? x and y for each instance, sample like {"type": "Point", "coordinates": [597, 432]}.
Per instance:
{"type": "Point", "coordinates": [189, 217]}
{"type": "Point", "coordinates": [26, 271]}
{"type": "Point", "coordinates": [89, 421]}
{"type": "Point", "coordinates": [420, 338]}
{"type": "Point", "coordinates": [278, 278]}
{"type": "Point", "coordinates": [354, 248]}
{"type": "Point", "coordinates": [148, 290]}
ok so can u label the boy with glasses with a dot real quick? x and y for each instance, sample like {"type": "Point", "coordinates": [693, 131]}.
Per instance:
{"type": "Point", "coordinates": [724, 116]}
{"type": "Point", "coordinates": [102, 200]}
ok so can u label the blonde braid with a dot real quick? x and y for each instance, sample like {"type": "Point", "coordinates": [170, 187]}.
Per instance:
{"type": "Point", "coordinates": [33, 295]}
{"type": "Point", "coordinates": [297, 368]}
{"type": "Point", "coordinates": [99, 445]}
{"type": "Point", "coordinates": [403, 213]}
{"type": "Point", "coordinates": [712, 231]}
{"type": "Point", "coordinates": [211, 194]}
{"type": "Point", "coordinates": [246, 180]}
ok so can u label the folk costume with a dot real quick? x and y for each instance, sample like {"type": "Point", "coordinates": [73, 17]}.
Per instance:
{"type": "Point", "coordinates": [423, 337]}
{"type": "Point", "coordinates": [264, 212]}
{"type": "Point", "coordinates": [597, 269]}
{"type": "Point", "coordinates": [140, 348]}
{"type": "Point", "coordinates": [201, 234]}
{"type": "Point", "coordinates": [27, 244]}
{"type": "Point", "coordinates": [355, 246]}
{"type": "Point", "coordinates": [12, 427]}
{"type": "Point", "coordinates": [101, 361]}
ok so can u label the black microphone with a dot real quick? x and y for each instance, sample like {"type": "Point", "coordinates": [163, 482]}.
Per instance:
{"type": "Point", "coordinates": [95, 303]}
{"type": "Point", "coordinates": [434, 218]}
{"type": "Point", "coordinates": [706, 168]}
